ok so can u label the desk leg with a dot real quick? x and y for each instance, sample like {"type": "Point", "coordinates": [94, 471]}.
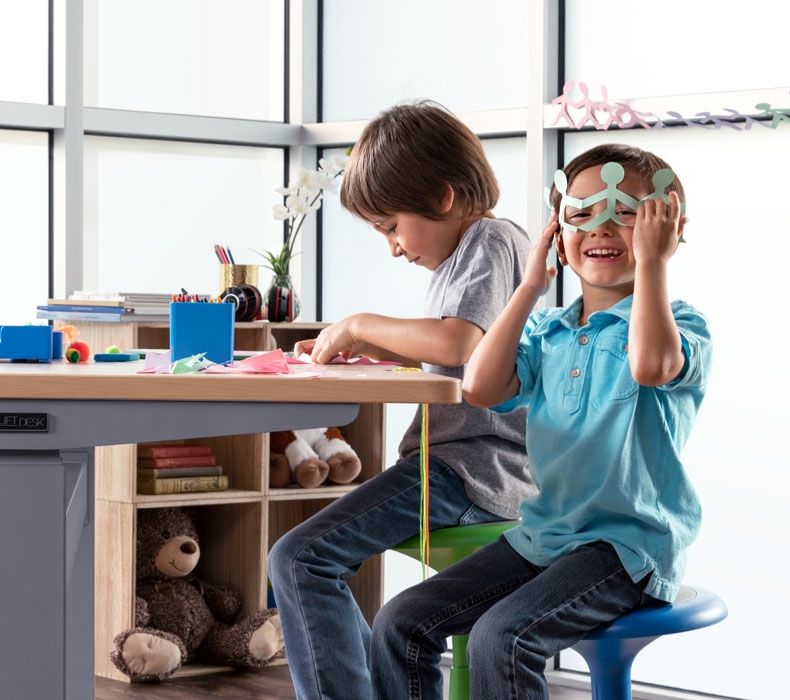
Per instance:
{"type": "Point", "coordinates": [46, 574]}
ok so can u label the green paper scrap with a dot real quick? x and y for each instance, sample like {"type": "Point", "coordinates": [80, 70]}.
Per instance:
{"type": "Point", "coordinates": [190, 365]}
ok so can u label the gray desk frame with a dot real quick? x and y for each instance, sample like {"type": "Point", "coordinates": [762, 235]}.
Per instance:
{"type": "Point", "coordinates": [47, 520]}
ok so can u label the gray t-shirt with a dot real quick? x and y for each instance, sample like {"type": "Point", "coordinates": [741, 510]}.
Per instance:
{"type": "Point", "coordinates": [486, 449]}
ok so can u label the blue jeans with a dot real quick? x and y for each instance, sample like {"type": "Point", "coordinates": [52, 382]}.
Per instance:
{"type": "Point", "coordinates": [517, 615]}
{"type": "Point", "coordinates": [327, 640]}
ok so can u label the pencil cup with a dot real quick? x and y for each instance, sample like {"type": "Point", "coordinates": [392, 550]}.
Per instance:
{"type": "Point", "coordinates": [201, 327]}
{"type": "Point", "coordinates": [235, 275]}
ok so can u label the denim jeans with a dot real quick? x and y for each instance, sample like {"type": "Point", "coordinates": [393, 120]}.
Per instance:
{"type": "Point", "coordinates": [327, 640]}
{"type": "Point", "coordinates": [517, 616]}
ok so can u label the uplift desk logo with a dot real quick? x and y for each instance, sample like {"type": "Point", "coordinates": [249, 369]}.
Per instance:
{"type": "Point", "coordinates": [24, 422]}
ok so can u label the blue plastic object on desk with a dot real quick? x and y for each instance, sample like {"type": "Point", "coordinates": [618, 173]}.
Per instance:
{"type": "Point", "coordinates": [26, 343]}
{"type": "Point", "coordinates": [116, 357]}
{"type": "Point", "coordinates": [201, 327]}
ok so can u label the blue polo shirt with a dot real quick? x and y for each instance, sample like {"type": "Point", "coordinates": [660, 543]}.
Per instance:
{"type": "Point", "coordinates": [604, 451]}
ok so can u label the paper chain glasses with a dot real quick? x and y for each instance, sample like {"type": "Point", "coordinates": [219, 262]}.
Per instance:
{"type": "Point", "coordinates": [612, 175]}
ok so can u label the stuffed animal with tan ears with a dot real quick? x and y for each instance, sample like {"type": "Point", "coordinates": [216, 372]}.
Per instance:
{"type": "Point", "coordinates": [312, 456]}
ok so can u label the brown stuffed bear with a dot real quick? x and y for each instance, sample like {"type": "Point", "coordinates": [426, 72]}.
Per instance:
{"type": "Point", "coordinates": [181, 618]}
{"type": "Point", "coordinates": [312, 456]}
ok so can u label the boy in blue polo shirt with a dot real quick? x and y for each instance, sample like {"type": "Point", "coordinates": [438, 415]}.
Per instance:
{"type": "Point", "coordinates": [613, 384]}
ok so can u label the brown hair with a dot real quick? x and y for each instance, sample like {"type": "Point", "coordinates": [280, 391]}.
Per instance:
{"type": "Point", "coordinates": [406, 157]}
{"type": "Point", "coordinates": [643, 163]}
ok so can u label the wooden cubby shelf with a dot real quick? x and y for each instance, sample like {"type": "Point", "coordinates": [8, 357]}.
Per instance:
{"type": "Point", "coordinates": [241, 523]}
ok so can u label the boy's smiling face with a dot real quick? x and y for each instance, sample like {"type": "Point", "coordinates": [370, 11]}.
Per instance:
{"type": "Point", "coordinates": [602, 257]}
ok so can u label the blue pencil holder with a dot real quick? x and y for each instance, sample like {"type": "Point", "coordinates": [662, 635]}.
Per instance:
{"type": "Point", "coordinates": [201, 327]}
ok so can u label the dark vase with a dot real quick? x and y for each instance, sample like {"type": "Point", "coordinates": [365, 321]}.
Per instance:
{"type": "Point", "coordinates": [281, 299]}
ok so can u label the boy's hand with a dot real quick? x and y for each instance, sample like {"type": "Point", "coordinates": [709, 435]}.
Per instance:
{"type": "Point", "coordinates": [304, 347]}
{"type": "Point", "coordinates": [657, 229]}
{"type": "Point", "coordinates": [334, 340]}
{"type": "Point", "coordinates": [537, 276]}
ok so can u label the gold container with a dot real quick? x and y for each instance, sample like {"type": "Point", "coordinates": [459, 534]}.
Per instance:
{"type": "Point", "coordinates": [234, 275]}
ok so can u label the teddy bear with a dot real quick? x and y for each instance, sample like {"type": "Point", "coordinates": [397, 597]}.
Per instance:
{"type": "Point", "coordinates": [180, 617]}
{"type": "Point", "coordinates": [310, 457]}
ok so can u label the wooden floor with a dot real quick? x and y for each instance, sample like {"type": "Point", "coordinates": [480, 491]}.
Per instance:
{"type": "Point", "coordinates": [273, 683]}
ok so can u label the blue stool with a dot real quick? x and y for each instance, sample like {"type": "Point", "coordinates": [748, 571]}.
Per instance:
{"type": "Point", "coordinates": [609, 650]}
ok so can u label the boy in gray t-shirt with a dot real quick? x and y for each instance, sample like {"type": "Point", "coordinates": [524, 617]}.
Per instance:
{"type": "Point", "coordinates": [420, 178]}
{"type": "Point", "coordinates": [484, 448]}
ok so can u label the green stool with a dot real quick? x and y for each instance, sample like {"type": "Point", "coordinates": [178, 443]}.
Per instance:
{"type": "Point", "coordinates": [447, 546]}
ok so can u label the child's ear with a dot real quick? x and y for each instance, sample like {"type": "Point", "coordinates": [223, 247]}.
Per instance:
{"type": "Point", "coordinates": [681, 229]}
{"type": "Point", "coordinates": [446, 202]}
{"type": "Point", "coordinates": [560, 248]}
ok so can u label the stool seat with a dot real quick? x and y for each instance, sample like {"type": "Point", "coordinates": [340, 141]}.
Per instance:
{"type": "Point", "coordinates": [608, 650]}
{"type": "Point", "coordinates": [694, 607]}
{"type": "Point", "coordinates": [451, 544]}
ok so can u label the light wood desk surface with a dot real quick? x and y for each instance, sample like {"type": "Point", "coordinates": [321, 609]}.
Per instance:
{"type": "Point", "coordinates": [121, 380]}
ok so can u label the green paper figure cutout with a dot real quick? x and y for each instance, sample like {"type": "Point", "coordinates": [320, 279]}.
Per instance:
{"type": "Point", "coordinates": [612, 175]}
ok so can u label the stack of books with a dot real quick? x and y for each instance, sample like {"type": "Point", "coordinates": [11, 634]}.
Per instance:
{"type": "Point", "coordinates": [176, 468]}
{"type": "Point", "coordinates": [108, 307]}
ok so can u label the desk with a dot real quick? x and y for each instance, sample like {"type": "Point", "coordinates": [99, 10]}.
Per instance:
{"type": "Point", "coordinates": [47, 496]}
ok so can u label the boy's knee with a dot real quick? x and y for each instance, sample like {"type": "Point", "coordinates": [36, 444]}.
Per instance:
{"type": "Point", "coordinates": [297, 553]}
{"type": "Point", "coordinates": [393, 617]}
{"type": "Point", "coordinates": [273, 561]}
{"type": "Point", "coordinates": [281, 557]}
{"type": "Point", "coordinates": [385, 617]}
{"type": "Point", "coordinates": [494, 643]}
{"type": "Point", "coordinates": [488, 643]}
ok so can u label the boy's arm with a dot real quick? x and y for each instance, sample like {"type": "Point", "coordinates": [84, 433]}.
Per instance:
{"type": "Point", "coordinates": [654, 347]}
{"type": "Point", "coordinates": [490, 378]}
{"type": "Point", "coordinates": [447, 342]}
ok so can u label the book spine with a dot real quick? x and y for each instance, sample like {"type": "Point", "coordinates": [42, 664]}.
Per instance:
{"type": "Point", "coordinates": [179, 472]}
{"type": "Point", "coordinates": [150, 310]}
{"type": "Point", "coordinates": [150, 451]}
{"type": "Point", "coordinates": [190, 461]}
{"type": "Point", "coordinates": [98, 296]}
{"type": "Point", "coordinates": [80, 316]}
{"type": "Point", "coordinates": [104, 303]}
{"type": "Point", "coordinates": [85, 308]}
{"type": "Point", "coordinates": [193, 484]}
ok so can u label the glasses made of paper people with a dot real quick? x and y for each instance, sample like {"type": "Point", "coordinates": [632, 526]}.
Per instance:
{"type": "Point", "coordinates": [620, 206]}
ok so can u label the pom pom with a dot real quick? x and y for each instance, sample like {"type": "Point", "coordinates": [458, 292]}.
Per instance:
{"type": "Point", "coordinates": [112, 349]}
{"type": "Point", "coordinates": [77, 351]}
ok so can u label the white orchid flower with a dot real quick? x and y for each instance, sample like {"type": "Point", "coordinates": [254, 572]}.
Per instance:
{"type": "Point", "coordinates": [309, 182]}
{"type": "Point", "coordinates": [297, 204]}
{"type": "Point", "coordinates": [302, 196]}
{"type": "Point", "coordinates": [323, 180]}
{"type": "Point", "coordinates": [280, 212]}
{"type": "Point", "coordinates": [333, 164]}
